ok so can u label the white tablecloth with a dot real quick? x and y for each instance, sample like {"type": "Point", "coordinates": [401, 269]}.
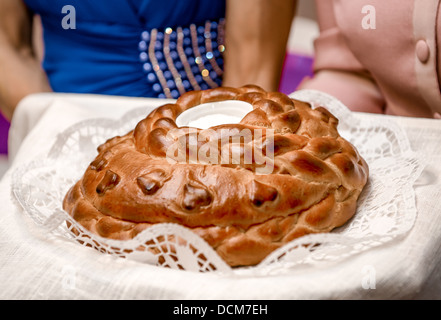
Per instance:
{"type": "Point", "coordinates": [34, 265]}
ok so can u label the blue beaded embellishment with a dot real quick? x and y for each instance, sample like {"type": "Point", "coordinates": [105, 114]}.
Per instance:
{"type": "Point", "coordinates": [183, 59]}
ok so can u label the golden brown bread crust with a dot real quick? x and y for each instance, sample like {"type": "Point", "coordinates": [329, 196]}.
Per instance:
{"type": "Point", "coordinates": [242, 214]}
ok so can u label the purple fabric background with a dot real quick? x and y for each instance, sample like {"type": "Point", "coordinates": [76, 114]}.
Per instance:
{"type": "Point", "coordinates": [295, 68]}
{"type": "Point", "coordinates": [4, 128]}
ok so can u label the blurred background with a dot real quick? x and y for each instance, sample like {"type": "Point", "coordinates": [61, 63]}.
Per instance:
{"type": "Point", "coordinates": [300, 50]}
{"type": "Point", "coordinates": [298, 62]}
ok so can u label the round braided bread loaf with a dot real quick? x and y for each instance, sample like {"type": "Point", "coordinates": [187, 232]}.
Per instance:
{"type": "Point", "coordinates": [315, 180]}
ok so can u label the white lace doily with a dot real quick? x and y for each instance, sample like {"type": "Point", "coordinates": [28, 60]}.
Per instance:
{"type": "Point", "coordinates": [386, 207]}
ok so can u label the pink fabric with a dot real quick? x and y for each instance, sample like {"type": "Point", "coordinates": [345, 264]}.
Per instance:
{"type": "Point", "coordinates": [377, 70]}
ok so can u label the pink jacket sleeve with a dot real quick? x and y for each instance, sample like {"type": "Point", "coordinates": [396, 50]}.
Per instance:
{"type": "Point", "coordinates": [337, 71]}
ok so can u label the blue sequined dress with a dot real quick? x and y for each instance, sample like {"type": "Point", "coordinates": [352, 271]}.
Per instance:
{"type": "Point", "coordinates": [144, 48]}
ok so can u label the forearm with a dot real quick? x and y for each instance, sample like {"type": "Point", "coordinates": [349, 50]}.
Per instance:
{"type": "Point", "coordinates": [20, 70]}
{"type": "Point", "coordinates": [356, 91]}
{"type": "Point", "coordinates": [256, 37]}
{"type": "Point", "coordinates": [21, 75]}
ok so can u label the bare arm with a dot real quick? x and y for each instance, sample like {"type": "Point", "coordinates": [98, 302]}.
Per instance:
{"type": "Point", "coordinates": [21, 73]}
{"type": "Point", "coordinates": [256, 37]}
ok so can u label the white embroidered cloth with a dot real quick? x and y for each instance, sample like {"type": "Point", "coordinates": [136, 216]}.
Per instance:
{"type": "Point", "coordinates": [389, 250]}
